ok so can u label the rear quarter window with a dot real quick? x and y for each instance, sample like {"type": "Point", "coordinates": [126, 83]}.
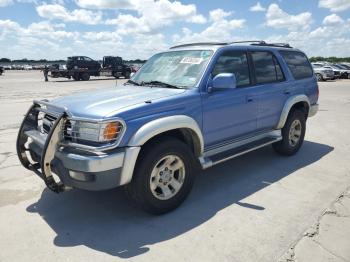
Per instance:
{"type": "Point", "coordinates": [298, 64]}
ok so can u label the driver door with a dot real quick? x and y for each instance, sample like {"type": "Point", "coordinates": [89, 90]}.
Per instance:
{"type": "Point", "coordinates": [231, 113]}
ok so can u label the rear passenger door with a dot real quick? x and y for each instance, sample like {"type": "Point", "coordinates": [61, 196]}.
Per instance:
{"type": "Point", "coordinates": [271, 88]}
{"type": "Point", "coordinates": [304, 81]}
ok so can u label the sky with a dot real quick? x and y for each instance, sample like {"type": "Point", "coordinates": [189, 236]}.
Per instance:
{"type": "Point", "coordinates": [55, 29]}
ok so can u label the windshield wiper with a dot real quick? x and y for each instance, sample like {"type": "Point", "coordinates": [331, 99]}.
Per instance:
{"type": "Point", "coordinates": [131, 82]}
{"type": "Point", "coordinates": [160, 83]}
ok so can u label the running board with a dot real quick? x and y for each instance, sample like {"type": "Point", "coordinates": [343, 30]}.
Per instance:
{"type": "Point", "coordinates": [240, 149]}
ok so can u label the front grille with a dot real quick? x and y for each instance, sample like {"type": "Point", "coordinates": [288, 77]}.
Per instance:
{"type": "Point", "coordinates": [48, 122]}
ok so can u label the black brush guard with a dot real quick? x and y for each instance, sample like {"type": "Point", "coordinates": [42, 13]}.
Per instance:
{"type": "Point", "coordinates": [42, 168]}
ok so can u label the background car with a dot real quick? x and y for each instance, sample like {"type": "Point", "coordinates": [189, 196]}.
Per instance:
{"type": "Point", "coordinates": [322, 73]}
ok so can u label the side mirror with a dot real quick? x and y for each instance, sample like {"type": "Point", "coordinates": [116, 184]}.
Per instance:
{"type": "Point", "coordinates": [223, 81]}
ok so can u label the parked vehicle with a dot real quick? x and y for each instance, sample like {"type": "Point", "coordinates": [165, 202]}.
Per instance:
{"type": "Point", "coordinates": [82, 67]}
{"type": "Point", "coordinates": [336, 71]}
{"type": "Point", "coordinates": [346, 66]}
{"type": "Point", "coordinates": [195, 105]}
{"type": "Point", "coordinates": [1, 70]}
{"type": "Point", "coordinates": [345, 72]}
{"type": "Point", "coordinates": [323, 74]}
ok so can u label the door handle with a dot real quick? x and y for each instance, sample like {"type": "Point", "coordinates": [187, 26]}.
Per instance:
{"type": "Point", "coordinates": [250, 99]}
{"type": "Point", "coordinates": [287, 92]}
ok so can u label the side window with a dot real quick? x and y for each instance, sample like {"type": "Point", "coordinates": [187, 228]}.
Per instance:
{"type": "Point", "coordinates": [234, 62]}
{"type": "Point", "coordinates": [87, 58]}
{"type": "Point", "coordinates": [298, 64]}
{"type": "Point", "coordinates": [267, 68]}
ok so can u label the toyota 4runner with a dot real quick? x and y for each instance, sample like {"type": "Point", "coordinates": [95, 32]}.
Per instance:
{"type": "Point", "coordinates": [195, 105]}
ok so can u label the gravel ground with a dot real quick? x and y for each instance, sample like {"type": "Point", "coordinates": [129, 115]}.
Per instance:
{"type": "Point", "coordinates": [258, 207]}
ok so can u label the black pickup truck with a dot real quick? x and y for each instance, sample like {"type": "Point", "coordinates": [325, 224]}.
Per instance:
{"type": "Point", "coordinates": [82, 67]}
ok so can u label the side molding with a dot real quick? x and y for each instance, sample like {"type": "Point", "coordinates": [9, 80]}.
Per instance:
{"type": "Point", "coordinates": [288, 105]}
{"type": "Point", "coordinates": [164, 124]}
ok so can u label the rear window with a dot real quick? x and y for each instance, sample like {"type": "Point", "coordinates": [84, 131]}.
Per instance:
{"type": "Point", "coordinates": [298, 64]}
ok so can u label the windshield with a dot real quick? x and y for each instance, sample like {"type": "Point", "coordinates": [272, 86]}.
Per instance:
{"type": "Point", "coordinates": [182, 69]}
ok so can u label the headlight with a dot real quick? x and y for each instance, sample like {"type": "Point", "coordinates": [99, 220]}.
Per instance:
{"type": "Point", "coordinates": [94, 132]}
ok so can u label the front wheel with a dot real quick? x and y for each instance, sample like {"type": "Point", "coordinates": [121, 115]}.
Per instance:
{"type": "Point", "coordinates": [163, 176]}
{"type": "Point", "coordinates": [293, 134]}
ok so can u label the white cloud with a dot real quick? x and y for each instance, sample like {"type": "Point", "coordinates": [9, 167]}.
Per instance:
{"type": "Point", "coordinates": [332, 20]}
{"type": "Point", "coordinates": [102, 36]}
{"type": "Point", "coordinates": [277, 18]}
{"type": "Point", "coordinates": [154, 15]}
{"type": "Point", "coordinates": [5, 3]}
{"type": "Point", "coordinates": [335, 5]}
{"type": "Point", "coordinates": [220, 29]}
{"type": "Point", "coordinates": [218, 14]}
{"type": "Point", "coordinates": [257, 8]}
{"type": "Point", "coordinates": [56, 11]}
{"type": "Point", "coordinates": [105, 4]}
{"type": "Point", "coordinates": [42, 29]}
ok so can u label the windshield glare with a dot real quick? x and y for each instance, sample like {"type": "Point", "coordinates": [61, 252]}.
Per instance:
{"type": "Point", "coordinates": [178, 68]}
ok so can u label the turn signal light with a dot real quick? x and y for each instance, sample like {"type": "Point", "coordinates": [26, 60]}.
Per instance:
{"type": "Point", "coordinates": [111, 130]}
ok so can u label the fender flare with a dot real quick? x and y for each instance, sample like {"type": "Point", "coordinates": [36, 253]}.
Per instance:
{"type": "Point", "coordinates": [288, 105]}
{"type": "Point", "coordinates": [152, 129]}
{"type": "Point", "coordinates": [161, 125]}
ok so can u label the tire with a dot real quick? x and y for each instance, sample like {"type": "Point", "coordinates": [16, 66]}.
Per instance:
{"type": "Point", "coordinates": [156, 201]}
{"type": "Point", "coordinates": [85, 77]}
{"type": "Point", "coordinates": [287, 146]}
{"type": "Point", "coordinates": [76, 77]}
{"type": "Point", "coordinates": [319, 77]}
{"type": "Point", "coordinates": [127, 74]}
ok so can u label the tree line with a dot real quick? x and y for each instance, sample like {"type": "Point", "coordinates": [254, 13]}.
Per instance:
{"type": "Point", "coordinates": [25, 60]}
{"type": "Point", "coordinates": [331, 59]}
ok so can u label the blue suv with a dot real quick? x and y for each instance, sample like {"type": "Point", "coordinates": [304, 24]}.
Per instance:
{"type": "Point", "coordinates": [191, 107]}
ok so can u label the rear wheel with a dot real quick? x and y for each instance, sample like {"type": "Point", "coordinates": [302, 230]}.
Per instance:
{"type": "Point", "coordinates": [163, 176]}
{"type": "Point", "coordinates": [319, 77]}
{"type": "Point", "coordinates": [127, 74]}
{"type": "Point", "coordinates": [293, 134]}
{"type": "Point", "coordinates": [85, 77]}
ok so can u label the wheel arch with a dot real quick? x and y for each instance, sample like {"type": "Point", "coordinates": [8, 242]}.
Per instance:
{"type": "Point", "coordinates": [180, 126]}
{"type": "Point", "coordinates": [296, 102]}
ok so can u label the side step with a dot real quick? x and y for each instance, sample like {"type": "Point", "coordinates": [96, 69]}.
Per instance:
{"type": "Point", "coordinates": [218, 158]}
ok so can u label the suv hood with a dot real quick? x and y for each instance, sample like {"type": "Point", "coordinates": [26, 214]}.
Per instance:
{"type": "Point", "coordinates": [102, 103]}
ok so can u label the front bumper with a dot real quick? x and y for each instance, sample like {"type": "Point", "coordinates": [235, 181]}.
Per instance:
{"type": "Point", "coordinates": [75, 168]}
{"type": "Point", "coordinates": [313, 110]}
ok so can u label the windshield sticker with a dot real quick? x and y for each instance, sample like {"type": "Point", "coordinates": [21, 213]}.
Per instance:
{"type": "Point", "coordinates": [191, 60]}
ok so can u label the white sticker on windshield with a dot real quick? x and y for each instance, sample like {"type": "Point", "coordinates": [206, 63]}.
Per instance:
{"type": "Point", "coordinates": [191, 60]}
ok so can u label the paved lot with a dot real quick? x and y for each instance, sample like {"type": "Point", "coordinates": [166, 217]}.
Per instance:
{"type": "Point", "coordinates": [253, 208]}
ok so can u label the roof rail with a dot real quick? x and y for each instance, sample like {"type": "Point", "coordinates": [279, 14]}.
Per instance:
{"type": "Point", "coordinates": [249, 41]}
{"type": "Point", "coordinates": [199, 43]}
{"type": "Point", "coordinates": [252, 42]}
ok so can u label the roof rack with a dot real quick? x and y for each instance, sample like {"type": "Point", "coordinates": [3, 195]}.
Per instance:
{"type": "Point", "coordinates": [199, 43]}
{"type": "Point", "coordinates": [253, 42]}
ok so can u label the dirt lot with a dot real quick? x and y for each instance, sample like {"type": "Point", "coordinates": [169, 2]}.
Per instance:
{"type": "Point", "coordinates": [253, 208]}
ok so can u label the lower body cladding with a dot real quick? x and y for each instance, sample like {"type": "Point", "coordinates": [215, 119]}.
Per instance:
{"type": "Point", "coordinates": [75, 168]}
